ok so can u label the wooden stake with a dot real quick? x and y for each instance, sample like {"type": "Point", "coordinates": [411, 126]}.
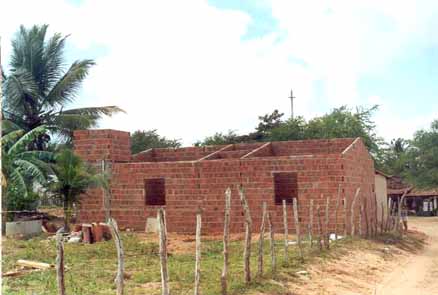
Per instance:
{"type": "Point", "coordinates": [360, 219]}
{"type": "Point", "coordinates": [327, 232]}
{"type": "Point", "coordinates": [311, 223]}
{"type": "Point", "coordinates": [261, 241]}
{"type": "Point", "coordinates": [198, 251]}
{"type": "Point", "coordinates": [163, 252]}
{"type": "Point", "coordinates": [60, 263]}
{"type": "Point", "coordinates": [120, 255]}
{"type": "Point", "coordinates": [367, 226]}
{"type": "Point", "coordinates": [382, 219]}
{"type": "Point", "coordinates": [272, 244]}
{"type": "Point", "coordinates": [338, 201]}
{"type": "Point", "coordinates": [297, 227]}
{"type": "Point", "coordinates": [345, 217]}
{"type": "Point", "coordinates": [226, 240]}
{"type": "Point", "coordinates": [286, 232]}
{"type": "Point", "coordinates": [248, 231]}
{"type": "Point", "coordinates": [352, 210]}
{"type": "Point", "coordinates": [399, 227]}
{"type": "Point", "coordinates": [318, 215]}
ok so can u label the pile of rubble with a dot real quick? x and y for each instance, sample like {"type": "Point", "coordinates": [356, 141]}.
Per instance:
{"type": "Point", "coordinates": [87, 233]}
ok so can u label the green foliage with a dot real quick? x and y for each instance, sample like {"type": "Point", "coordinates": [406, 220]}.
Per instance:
{"type": "Point", "coordinates": [39, 86]}
{"type": "Point", "coordinates": [22, 169]}
{"type": "Point", "coordinates": [142, 140]}
{"type": "Point", "coordinates": [340, 123]}
{"type": "Point", "coordinates": [422, 158]}
{"type": "Point", "coordinates": [73, 176]}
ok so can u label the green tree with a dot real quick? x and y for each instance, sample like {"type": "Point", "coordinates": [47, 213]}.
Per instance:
{"type": "Point", "coordinates": [40, 86]}
{"type": "Point", "coordinates": [73, 178]}
{"type": "Point", "coordinates": [22, 169]}
{"type": "Point", "coordinates": [142, 140]}
{"type": "Point", "coordinates": [422, 163]}
{"type": "Point", "coordinates": [394, 156]}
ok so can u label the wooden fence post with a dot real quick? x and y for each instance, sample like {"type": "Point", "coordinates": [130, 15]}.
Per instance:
{"type": "Point", "coordinates": [367, 226]}
{"type": "Point", "coordinates": [376, 219]}
{"type": "Point", "coordinates": [318, 215]}
{"type": "Point", "coordinates": [198, 251]}
{"type": "Point", "coordinates": [353, 203]}
{"type": "Point", "coordinates": [382, 219]}
{"type": "Point", "coordinates": [163, 253]}
{"type": "Point", "coordinates": [327, 232]}
{"type": "Point", "coordinates": [120, 255]}
{"type": "Point", "coordinates": [226, 240]}
{"type": "Point", "coordinates": [360, 219]}
{"type": "Point", "coordinates": [272, 244]}
{"type": "Point", "coordinates": [388, 216]}
{"type": "Point", "coordinates": [248, 232]}
{"type": "Point", "coordinates": [400, 203]}
{"type": "Point", "coordinates": [297, 227]}
{"type": "Point", "coordinates": [261, 241]}
{"type": "Point", "coordinates": [311, 223]}
{"type": "Point", "coordinates": [60, 263]}
{"type": "Point", "coordinates": [345, 217]}
{"type": "Point", "coordinates": [338, 201]}
{"type": "Point", "coordinates": [286, 232]}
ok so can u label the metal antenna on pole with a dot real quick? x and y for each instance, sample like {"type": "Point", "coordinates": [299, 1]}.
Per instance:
{"type": "Point", "coordinates": [291, 103]}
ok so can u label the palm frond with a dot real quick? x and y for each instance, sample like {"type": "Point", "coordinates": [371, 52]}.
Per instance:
{"type": "Point", "coordinates": [28, 137]}
{"type": "Point", "coordinates": [20, 89]}
{"type": "Point", "coordinates": [40, 155]}
{"type": "Point", "coordinates": [54, 61]}
{"type": "Point", "coordinates": [95, 112]}
{"type": "Point", "coordinates": [9, 126]}
{"type": "Point", "coordinates": [11, 137]}
{"type": "Point", "coordinates": [16, 180]}
{"type": "Point", "coordinates": [30, 169]}
{"type": "Point", "coordinates": [65, 90]}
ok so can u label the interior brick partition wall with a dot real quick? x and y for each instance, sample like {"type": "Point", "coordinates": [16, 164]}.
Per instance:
{"type": "Point", "coordinates": [198, 177]}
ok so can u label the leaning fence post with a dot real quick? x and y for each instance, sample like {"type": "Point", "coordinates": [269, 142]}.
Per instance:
{"type": "Point", "coordinates": [226, 240]}
{"type": "Point", "coordinates": [261, 241]}
{"type": "Point", "coordinates": [345, 217]}
{"type": "Point", "coordinates": [163, 253]}
{"type": "Point", "coordinates": [286, 231]}
{"type": "Point", "coordinates": [248, 229]}
{"type": "Point", "coordinates": [360, 219]}
{"type": "Point", "coordinates": [338, 201]}
{"type": "Point", "coordinates": [297, 227]}
{"type": "Point", "coordinates": [353, 203]}
{"type": "Point", "coordinates": [327, 232]}
{"type": "Point", "coordinates": [400, 203]}
{"type": "Point", "coordinates": [120, 255]}
{"type": "Point", "coordinates": [319, 227]}
{"type": "Point", "coordinates": [382, 218]}
{"type": "Point", "coordinates": [367, 232]}
{"type": "Point", "coordinates": [272, 244]}
{"type": "Point", "coordinates": [198, 251]}
{"type": "Point", "coordinates": [311, 223]}
{"type": "Point", "coordinates": [60, 263]}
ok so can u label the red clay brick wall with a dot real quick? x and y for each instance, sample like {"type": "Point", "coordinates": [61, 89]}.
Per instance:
{"type": "Point", "coordinates": [359, 172]}
{"type": "Point", "coordinates": [191, 184]}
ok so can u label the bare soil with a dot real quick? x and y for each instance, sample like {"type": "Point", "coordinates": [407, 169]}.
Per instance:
{"type": "Point", "coordinates": [384, 267]}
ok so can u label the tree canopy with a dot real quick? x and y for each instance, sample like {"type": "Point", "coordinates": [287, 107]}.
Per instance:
{"type": "Point", "coordinates": [142, 140]}
{"type": "Point", "coordinates": [40, 86]}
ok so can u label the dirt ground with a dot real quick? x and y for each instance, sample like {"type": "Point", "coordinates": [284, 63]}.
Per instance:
{"type": "Point", "coordinates": [417, 274]}
{"type": "Point", "coordinates": [380, 268]}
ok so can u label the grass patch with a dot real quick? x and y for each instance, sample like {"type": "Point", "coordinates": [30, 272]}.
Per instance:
{"type": "Point", "coordinates": [92, 267]}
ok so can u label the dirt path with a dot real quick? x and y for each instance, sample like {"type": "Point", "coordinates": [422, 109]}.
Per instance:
{"type": "Point", "coordinates": [418, 274]}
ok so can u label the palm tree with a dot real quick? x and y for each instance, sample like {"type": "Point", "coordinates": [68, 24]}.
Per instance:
{"type": "Point", "coordinates": [21, 167]}
{"type": "Point", "coordinates": [73, 178]}
{"type": "Point", "coordinates": [39, 86]}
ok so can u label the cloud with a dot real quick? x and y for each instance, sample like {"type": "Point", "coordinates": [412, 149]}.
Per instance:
{"type": "Point", "coordinates": [184, 67]}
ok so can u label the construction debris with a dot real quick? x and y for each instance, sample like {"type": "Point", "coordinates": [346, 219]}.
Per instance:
{"type": "Point", "coordinates": [34, 264]}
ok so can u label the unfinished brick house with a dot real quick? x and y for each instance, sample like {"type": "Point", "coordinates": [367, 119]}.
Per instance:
{"type": "Point", "coordinates": [182, 179]}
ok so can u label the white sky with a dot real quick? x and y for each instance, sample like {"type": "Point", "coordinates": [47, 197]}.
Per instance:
{"type": "Point", "coordinates": [184, 68]}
